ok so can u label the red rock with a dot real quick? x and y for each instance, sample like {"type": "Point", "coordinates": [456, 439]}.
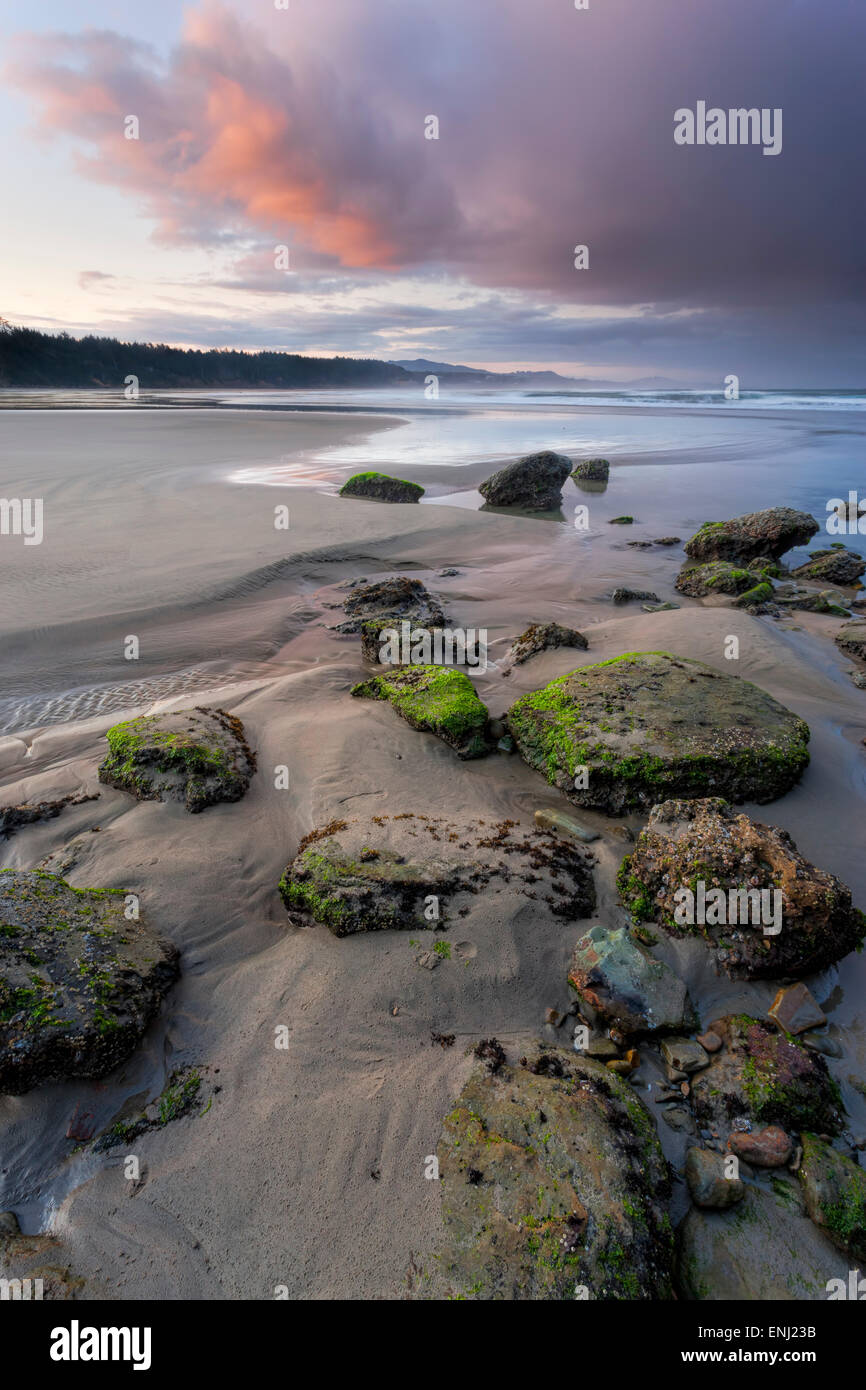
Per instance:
{"type": "Point", "coordinates": [795, 1009]}
{"type": "Point", "coordinates": [710, 1041]}
{"type": "Point", "coordinates": [763, 1148]}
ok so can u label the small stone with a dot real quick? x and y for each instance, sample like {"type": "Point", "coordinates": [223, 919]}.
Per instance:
{"type": "Point", "coordinates": [678, 1118]}
{"type": "Point", "coordinates": [551, 1016]}
{"type": "Point", "coordinates": [763, 1148]}
{"type": "Point", "coordinates": [9, 1224]}
{"type": "Point", "coordinates": [820, 1042]}
{"type": "Point", "coordinates": [795, 1009]}
{"type": "Point", "coordinates": [619, 1065]}
{"type": "Point", "coordinates": [684, 1056]}
{"type": "Point", "coordinates": [705, 1175]}
{"type": "Point", "coordinates": [548, 819]}
{"type": "Point", "coordinates": [710, 1041]}
{"type": "Point", "coordinates": [621, 521]}
{"type": "Point", "coordinates": [601, 1049]}
{"type": "Point", "coordinates": [634, 596]}
{"type": "Point", "coordinates": [505, 744]}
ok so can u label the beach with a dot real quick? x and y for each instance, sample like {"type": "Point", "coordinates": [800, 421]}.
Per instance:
{"type": "Point", "coordinates": [306, 1172]}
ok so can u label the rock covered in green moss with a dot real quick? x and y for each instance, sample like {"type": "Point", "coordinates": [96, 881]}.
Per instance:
{"type": "Point", "coordinates": [542, 637]}
{"type": "Point", "coordinates": [394, 871]}
{"type": "Point", "coordinates": [198, 756]}
{"type": "Point", "coordinates": [380, 487]}
{"type": "Point", "coordinates": [771, 532]}
{"type": "Point", "coordinates": [622, 984]}
{"type": "Point", "coordinates": [833, 566]}
{"type": "Point", "coordinates": [533, 483]}
{"type": "Point", "coordinates": [715, 577]}
{"type": "Point", "coordinates": [764, 1248]}
{"type": "Point", "coordinates": [763, 1077]}
{"type": "Point", "coordinates": [553, 1186]}
{"type": "Point", "coordinates": [834, 1190]}
{"type": "Point", "coordinates": [649, 725]}
{"type": "Point", "coordinates": [757, 597]}
{"type": "Point", "coordinates": [688, 843]}
{"type": "Point", "coordinates": [591, 471]}
{"type": "Point", "coordinates": [80, 979]}
{"type": "Point", "coordinates": [434, 700]}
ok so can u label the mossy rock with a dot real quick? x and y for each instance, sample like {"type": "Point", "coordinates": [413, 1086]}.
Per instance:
{"type": "Point", "coordinates": [835, 566]}
{"type": "Point", "coordinates": [686, 843]}
{"type": "Point", "coordinates": [592, 471]}
{"type": "Point", "coordinates": [649, 725]}
{"type": "Point", "coordinates": [716, 577]}
{"type": "Point", "coordinates": [834, 1190]}
{"type": "Point", "coordinates": [384, 872]}
{"type": "Point", "coordinates": [379, 487]}
{"type": "Point", "coordinates": [79, 981]}
{"type": "Point", "coordinates": [435, 700]}
{"type": "Point", "coordinates": [553, 1186]}
{"type": "Point", "coordinates": [533, 483]}
{"type": "Point", "coordinates": [198, 756]}
{"type": "Point", "coordinates": [851, 638]}
{"type": "Point", "coordinates": [391, 600]}
{"type": "Point", "coordinates": [755, 597]}
{"type": "Point", "coordinates": [770, 532]}
{"type": "Point", "coordinates": [767, 1078]}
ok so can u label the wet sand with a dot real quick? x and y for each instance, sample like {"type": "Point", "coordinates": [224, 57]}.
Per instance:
{"type": "Point", "coordinates": [274, 1184]}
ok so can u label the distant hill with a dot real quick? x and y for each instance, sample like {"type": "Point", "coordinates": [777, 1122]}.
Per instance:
{"type": "Point", "coordinates": [29, 359]}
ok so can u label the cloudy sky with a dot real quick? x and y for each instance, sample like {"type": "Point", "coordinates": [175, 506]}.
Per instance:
{"type": "Point", "coordinates": [305, 126]}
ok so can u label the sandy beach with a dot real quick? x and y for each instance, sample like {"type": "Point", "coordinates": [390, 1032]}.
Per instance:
{"type": "Point", "coordinates": [307, 1169]}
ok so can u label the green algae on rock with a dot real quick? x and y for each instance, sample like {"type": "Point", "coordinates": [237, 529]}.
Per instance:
{"type": "Point", "coordinates": [390, 871]}
{"type": "Point", "coordinates": [690, 842]}
{"type": "Point", "coordinates": [648, 725]}
{"type": "Point", "coordinates": [198, 756]}
{"type": "Point", "coordinates": [834, 1190]}
{"type": "Point", "coordinates": [553, 1186]}
{"type": "Point", "coordinates": [832, 566]}
{"type": "Point", "coordinates": [770, 532]}
{"type": "Point", "coordinates": [765, 1077]}
{"type": "Point", "coordinates": [79, 979]}
{"type": "Point", "coordinates": [380, 487]}
{"type": "Point", "coordinates": [715, 577]}
{"type": "Point", "coordinates": [435, 700]}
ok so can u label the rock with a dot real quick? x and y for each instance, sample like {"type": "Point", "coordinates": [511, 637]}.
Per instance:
{"type": "Point", "coordinates": [12, 818]}
{"type": "Point", "coordinates": [795, 1009]}
{"type": "Point", "coordinates": [705, 1175]}
{"type": "Point", "coordinates": [859, 679]}
{"type": "Point", "coordinates": [764, 1078]}
{"type": "Point", "coordinates": [765, 1148]}
{"type": "Point", "coordinates": [634, 596]}
{"type": "Point", "coordinates": [771, 532]}
{"type": "Point", "coordinates": [639, 545]}
{"type": "Point", "coordinates": [649, 725]}
{"type": "Point", "coordinates": [851, 637]}
{"type": "Point", "coordinates": [765, 1248]}
{"type": "Point", "coordinates": [834, 1190]}
{"type": "Point", "coordinates": [505, 744]}
{"type": "Point", "coordinates": [679, 1118]}
{"type": "Point", "coordinates": [393, 598]}
{"type": "Point", "coordinates": [667, 540]}
{"type": "Point", "coordinates": [437, 700]}
{"type": "Point", "coordinates": [832, 567]}
{"type": "Point", "coordinates": [851, 510]}
{"type": "Point", "coordinates": [602, 1049]}
{"type": "Point", "coordinates": [755, 597]}
{"type": "Point", "coordinates": [541, 637]}
{"type": "Point", "coordinates": [8, 1225]}
{"type": "Point", "coordinates": [198, 756]}
{"type": "Point", "coordinates": [795, 598]}
{"type": "Point", "coordinates": [684, 1055]}
{"type": "Point", "coordinates": [715, 577]}
{"type": "Point", "coordinates": [552, 1180]}
{"type": "Point", "coordinates": [33, 1262]}
{"type": "Point", "coordinates": [416, 858]}
{"type": "Point", "coordinates": [710, 1042]}
{"type": "Point", "coordinates": [623, 984]}
{"type": "Point", "coordinates": [550, 819]}
{"type": "Point", "coordinates": [592, 471]}
{"type": "Point", "coordinates": [659, 607]}
{"type": "Point", "coordinates": [820, 1042]}
{"type": "Point", "coordinates": [448, 573]}
{"type": "Point", "coordinates": [687, 843]}
{"type": "Point", "coordinates": [533, 483]}
{"type": "Point", "coordinates": [390, 642]}
{"type": "Point", "coordinates": [79, 983]}
{"type": "Point", "coordinates": [621, 521]}
{"type": "Point", "coordinates": [380, 488]}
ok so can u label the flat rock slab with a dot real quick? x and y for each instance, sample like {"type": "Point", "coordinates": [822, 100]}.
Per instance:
{"type": "Point", "coordinates": [198, 756]}
{"type": "Point", "coordinates": [533, 483]}
{"type": "Point", "coordinates": [649, 725]}
{"type": "Point", "coordinates": [79, 983]}
{"type": "Point", "coordinates": [379, 487]}
{"type": "Point", "coordinates": [688, 843]}
{"type": "Point", "coordinates": [851, 637]}
{"type": "Point", "coordinates": [396, 597]}
{"type": "Point", "coordinates": [624, 985]}
{"type": "Point", "coordinates": [763, 1078]}
{"type": "Point", "coordinates": [434, 700]}
{"type": "Point", "coordinates": [771, 532]}
{"type": "Point", "coordinates": [552, 1181]}
{"type": "Point", "coordinates": [397, 871]}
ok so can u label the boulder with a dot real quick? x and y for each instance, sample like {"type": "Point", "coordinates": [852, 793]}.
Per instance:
{"type": "Point", "coordinates": [851, 637]}
{"type": "Point", "coordinates": [79, 981]}
{"type": "Point", "coordinates": [756, 597]}
{"type": "Point", "coordinates": [387, 641]}
{"type": "Point", "coordinates": [435, 700]}
{"type": "Point", "coordinates": [533, 483]}
{"type": "Point", "coordinates": [834, 1190]}
{"type": "Point", "coordinates": [634, 596]}
{"type": "Point", "coordinates": [707, 1182]}
{"type": "Point", "coordinates": [381, 873]}
{"type": "Point", "coordinates": [592, 471]}
{"type": "Point", "coordinates": [704, 841]}
{"type": "Point", "coordinates": [394, 598]}
{"type": "Point", "coordinates": [380, 487]}
{"type": "Point", "coordinates": [542, 637]}
{"type": "Point", "coordinates": [553, 1186]}
{"type": "Point", "coordinates": [763, 1078]}
{"type": "Point", "coordinates": [649, 725]}
{"type": "Point", "coordinates": [622, 984]}
{"type": "Point", "coordinates": [795, 1009]}
{"type": "Point", "coordinates": [198, 756]}
{"type": "Point", "coordinates": [832, 567]}
{"type": "Point", "coordinates": [715, 577]}
{"type": "Point", "coordinates": [765, 1148]}
{"type": "Point", "coordinates": [764, 1248]}
{"type": "Point", "coordinates": [771, 533]}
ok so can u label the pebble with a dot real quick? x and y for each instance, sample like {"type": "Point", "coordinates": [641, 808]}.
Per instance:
{"type": "Point", "coordinates": [710, 1042]}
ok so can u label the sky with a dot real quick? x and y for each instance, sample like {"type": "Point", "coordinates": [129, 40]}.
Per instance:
{"type": "Point", "coordinates": [303, 124]}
